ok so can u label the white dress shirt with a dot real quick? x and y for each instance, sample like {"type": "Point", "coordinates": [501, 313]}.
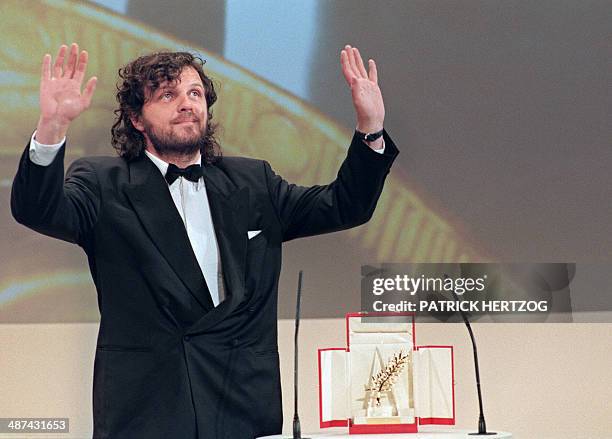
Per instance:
{"type": "Point", "coordinates": [191, 202]}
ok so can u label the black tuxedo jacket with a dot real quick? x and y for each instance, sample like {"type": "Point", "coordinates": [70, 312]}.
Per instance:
{"type": "Point", "coordinates": [168, 364]}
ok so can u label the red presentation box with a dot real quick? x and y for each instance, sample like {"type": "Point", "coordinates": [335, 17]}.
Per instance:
{"type": "Point", "coordinates": [381, 350]}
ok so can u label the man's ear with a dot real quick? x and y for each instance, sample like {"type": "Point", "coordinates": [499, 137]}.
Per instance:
{"type": "Point", "coordinates": [137, 122]}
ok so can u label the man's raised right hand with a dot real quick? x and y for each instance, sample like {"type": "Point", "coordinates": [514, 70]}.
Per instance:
{"type": "Point", "coordinates": [61, 99]}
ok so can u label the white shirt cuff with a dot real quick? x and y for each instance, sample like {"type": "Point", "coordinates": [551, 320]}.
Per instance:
{"type": "Point", "coordinates": [42, 154]}
{"type": "Point", "coordinates": [381, 150]}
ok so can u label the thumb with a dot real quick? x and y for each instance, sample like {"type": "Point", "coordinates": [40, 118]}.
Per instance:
{"type": "Point", "coordinates": [90, 87]}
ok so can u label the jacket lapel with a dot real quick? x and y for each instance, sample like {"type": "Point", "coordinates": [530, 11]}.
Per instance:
{"type": "Point", "coordinates": [150, 197]}
{"type": "Point", "coordinates": [230, 214]}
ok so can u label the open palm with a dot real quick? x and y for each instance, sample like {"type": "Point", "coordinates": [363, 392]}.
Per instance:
{"type": "Point", "coordinates": [61, 99]}
{"type": "Point", "coordinates": [367, 97]}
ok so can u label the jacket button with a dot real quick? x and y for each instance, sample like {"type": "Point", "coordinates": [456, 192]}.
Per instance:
{"type": "Point", "coordinates": [187, 338]}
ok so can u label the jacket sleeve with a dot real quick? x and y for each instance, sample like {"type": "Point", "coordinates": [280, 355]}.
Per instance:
{"type": "Point", "coordinates": [346, 202]}
{"type": "Point", "coordinates": [43, 200]}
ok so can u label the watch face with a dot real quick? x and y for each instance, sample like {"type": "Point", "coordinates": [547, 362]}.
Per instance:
{"type": "Point", "coordinates": [368, 137]}
{"type": "Point", "coordinates": [372, 136]}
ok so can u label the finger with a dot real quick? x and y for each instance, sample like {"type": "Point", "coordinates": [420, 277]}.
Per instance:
{"type": "Point", "coordinates": [72, 60]}
{"type": "Point", "coordinates": [353, 64]}
{"type": "Point", "coordinates": [59, 61]}
{"type": "Point", "coordinates": [348, 50]}
{"type": "Point", "coordinates": [90, 87]}
{"type": "Point", "coordinates": [346, 68]}
{"type": "Point", "coordinates": [45, 73]}
{"type": "Point", "coordinates": [373, 73]}
{"type": "Point", "coordinates": [81, 67]}
{"type": "Point", "coordinates": [359, 62]}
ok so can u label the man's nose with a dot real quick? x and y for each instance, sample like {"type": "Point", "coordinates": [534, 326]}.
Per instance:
{"type": "Point", "coordinates": [185, 104]}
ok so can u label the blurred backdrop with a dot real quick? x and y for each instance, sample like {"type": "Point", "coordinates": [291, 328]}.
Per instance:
{"type": "Point", "coordinates": [501, 110]}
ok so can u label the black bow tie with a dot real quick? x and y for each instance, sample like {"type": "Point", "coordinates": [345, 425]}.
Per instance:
{"type": "Point", "coordinates": [191, 173]}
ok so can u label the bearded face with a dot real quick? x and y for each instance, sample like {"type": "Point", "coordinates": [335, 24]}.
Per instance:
{"type": "Point", "coordinates": [174, 116]}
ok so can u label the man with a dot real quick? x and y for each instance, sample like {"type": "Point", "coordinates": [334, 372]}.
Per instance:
{"type": "Point", "coordinates": [185, 258]}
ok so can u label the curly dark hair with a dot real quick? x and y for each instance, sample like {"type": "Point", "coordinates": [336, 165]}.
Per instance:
{"type": "Point", "coordinates": [149, 72]}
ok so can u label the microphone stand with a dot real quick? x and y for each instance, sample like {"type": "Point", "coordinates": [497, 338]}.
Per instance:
{"type": "Point", "coordinates": [482, 425]}
{"type": "Point", "coordinates": [297, 433]}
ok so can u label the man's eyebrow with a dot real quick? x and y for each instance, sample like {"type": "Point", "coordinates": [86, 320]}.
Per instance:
{"type": "Point", "coordinates": [164, 88]}
{"type": "Point", "coordinates": [170, 87]}
{"type": "Point", "coordinates": [173, 86]}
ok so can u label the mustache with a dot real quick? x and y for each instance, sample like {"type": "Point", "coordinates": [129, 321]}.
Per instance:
{"type": "Point", "coordinates": [189, 117]}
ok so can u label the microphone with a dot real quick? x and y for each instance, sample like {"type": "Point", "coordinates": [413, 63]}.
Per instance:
{"type": "Point", "coordinates": [297, 433]}
{"type": "Point", "coordinates": [482, 425]}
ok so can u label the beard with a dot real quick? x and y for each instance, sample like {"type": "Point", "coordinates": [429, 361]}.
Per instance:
{"type": "Point", "coordinates": [166, 142]}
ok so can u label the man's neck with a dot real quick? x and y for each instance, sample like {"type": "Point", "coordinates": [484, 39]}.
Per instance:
{"type": "Point", "coordinates": [180, 160]}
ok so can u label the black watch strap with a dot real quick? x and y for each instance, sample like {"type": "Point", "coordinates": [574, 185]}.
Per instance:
{"type": "Point", "coordinates": [369, 137]}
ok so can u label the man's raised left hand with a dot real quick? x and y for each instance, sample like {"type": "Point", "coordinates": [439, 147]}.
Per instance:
{"type": "Point", "coordinates": [365, 91]}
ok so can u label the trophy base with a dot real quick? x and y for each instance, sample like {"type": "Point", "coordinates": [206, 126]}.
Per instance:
{"type": "Point", "coordinates": [378, 420]}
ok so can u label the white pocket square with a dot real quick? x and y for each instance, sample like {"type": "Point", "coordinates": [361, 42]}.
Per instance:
{"type": "Point", "coordinates": [253, 233]}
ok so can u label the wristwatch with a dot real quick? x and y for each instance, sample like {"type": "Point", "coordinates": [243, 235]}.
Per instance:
{"type": "Point", "coordinates": [369, 137]}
